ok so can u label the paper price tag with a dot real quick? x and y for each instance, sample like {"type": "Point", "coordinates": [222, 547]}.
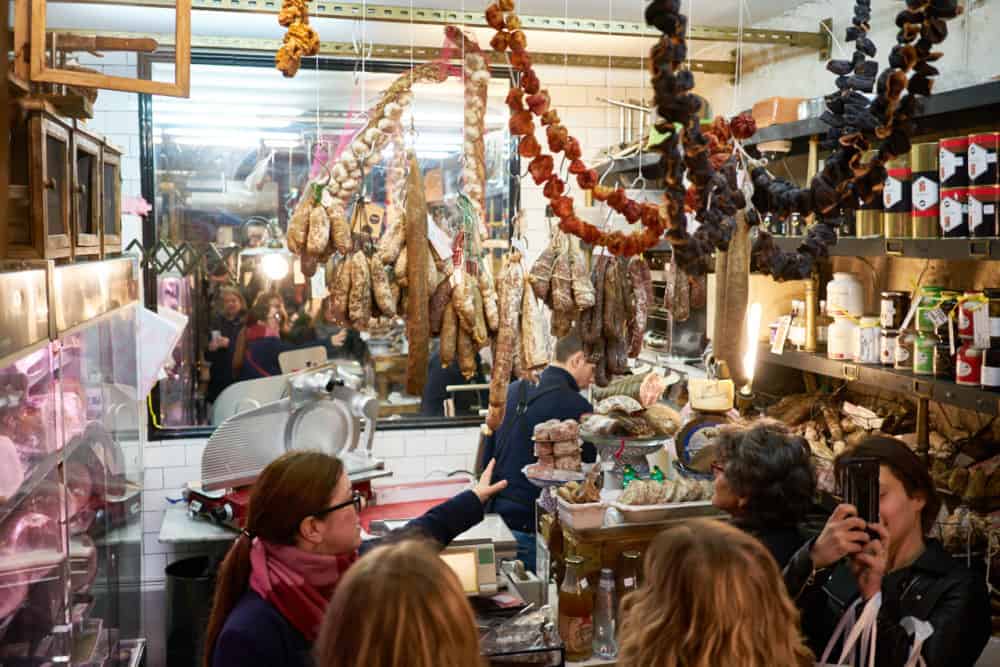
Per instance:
{"type": "Point", "coordinates": [981, 327]}
{"type": "Point", "coordinates": [784, 324]}
{"type": "Point", "coordinates": [937, 317]}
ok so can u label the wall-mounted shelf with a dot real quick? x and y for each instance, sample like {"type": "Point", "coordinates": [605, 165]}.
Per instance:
{"type": "Point", "coordinates": [902, 382]}
{"type": "Point", "coordinates": [957, 249]}
{"type": "Point", "coordinates": [649, 163]}
{"type": "Point", "coordinates": [962, 107]}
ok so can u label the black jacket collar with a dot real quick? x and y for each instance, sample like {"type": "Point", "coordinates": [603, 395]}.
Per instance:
{"type": "Point", "coordinates": [554, 375]}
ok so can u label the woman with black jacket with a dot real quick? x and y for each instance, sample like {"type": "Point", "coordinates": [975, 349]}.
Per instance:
{"type": "Point", "coordinates": [914, 574]}
{"type": "Point", "coordinates": [302, 535]}
{"type": "Point", "coordinates": [765, 480]}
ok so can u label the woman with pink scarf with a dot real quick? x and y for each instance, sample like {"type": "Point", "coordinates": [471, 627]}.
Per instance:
{"type": "Point", "coordinates": [302, 533]}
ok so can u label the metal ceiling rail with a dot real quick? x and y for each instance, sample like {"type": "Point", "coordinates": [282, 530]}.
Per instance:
{"type": "Point", "coordinates": [820, 40]}
{"type": "Point", "coordinates": [401, 52]}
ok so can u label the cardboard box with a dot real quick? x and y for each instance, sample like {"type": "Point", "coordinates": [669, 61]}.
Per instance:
{"type": "Point", "coordinates": [776, 110]}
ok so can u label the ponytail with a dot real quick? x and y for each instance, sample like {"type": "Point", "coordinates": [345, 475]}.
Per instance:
{"type": "Point", "coordinates": [230, 586]}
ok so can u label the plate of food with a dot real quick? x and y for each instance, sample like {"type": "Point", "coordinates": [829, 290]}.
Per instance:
{"type": "Point", "coordinates": [544, 476]}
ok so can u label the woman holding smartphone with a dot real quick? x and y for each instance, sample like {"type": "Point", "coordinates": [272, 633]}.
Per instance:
{"type": "Point", "coordinates": [853, 558]}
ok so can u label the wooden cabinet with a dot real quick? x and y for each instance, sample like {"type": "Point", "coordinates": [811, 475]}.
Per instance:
{"type": "Point", "coordinates": [86, 194]}
{"type": "Point", "coordinates": [111, 199]}
{"type": "Point", "coordinates": [39, 222]}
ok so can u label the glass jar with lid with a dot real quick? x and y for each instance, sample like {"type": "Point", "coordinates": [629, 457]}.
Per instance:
{"type": "Point", "coordinates": [867, 350]}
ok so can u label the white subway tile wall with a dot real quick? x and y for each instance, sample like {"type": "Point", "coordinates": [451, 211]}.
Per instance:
{"type": "Point", "coordinates": [411, 456]}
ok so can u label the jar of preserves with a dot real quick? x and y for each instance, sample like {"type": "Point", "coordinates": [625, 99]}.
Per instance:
{"type": "Point", "coordinates": [887, 348]}
{"type": "Point", "coordinates": [895, 306]}
{"type": "Point", "coordinates": [866, 351]}
{"type": "Point", "coordinates": [903, 358]}
{"type": "Point", "coordinates": [971, 302]}
{"type": "Point", "coordinates": [944, 361]}
{"type": "Point", "coordinates": [924, 350]}
{"type": "Point", "coordinates": [969, 365]}
{"type": "Point", "coordinates": [930, 299]}
{"type": "Point", "coordinates": [993, 296]}
{"type": "Point", "coordinates": [990, 374]}
{"type": "Point", "coordinates": [576, 612]}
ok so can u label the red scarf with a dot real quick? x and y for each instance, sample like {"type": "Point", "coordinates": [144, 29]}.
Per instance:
{"type": "Point", "coordinates": [298, 583]}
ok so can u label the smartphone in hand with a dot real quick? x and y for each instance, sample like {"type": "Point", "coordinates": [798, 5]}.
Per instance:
{"type": "Point", "coordinates": [859, 487]}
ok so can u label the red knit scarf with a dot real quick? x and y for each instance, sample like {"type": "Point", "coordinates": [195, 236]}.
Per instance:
{"type": "Point", "coordinates": [298, 583]}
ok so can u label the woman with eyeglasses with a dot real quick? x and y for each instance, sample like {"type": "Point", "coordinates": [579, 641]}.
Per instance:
{"type": "Point", "coordinates": [302, 534]}
{"type": "Point", "coordinates": [765, 479]}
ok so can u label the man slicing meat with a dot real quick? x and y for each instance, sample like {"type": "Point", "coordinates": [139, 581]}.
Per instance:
{"type": "Point", "coordinates": [556, 396]}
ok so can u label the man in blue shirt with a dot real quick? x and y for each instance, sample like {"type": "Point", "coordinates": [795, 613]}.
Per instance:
{"type": "Point", "coordinates": [556, 396]}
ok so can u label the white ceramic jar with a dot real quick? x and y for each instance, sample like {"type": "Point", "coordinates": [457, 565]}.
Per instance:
{"type": "Point", "coordinates": [843, 337]}
{"type": "Point", "coordinates": [844, 294]}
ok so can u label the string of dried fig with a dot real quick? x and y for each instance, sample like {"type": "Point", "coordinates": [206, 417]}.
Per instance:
{"type": "Point", "coordinates": [854, 122]}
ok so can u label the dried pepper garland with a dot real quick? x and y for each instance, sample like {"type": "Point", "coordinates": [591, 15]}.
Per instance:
{"type": "Point", "coordinates": [854, 121]}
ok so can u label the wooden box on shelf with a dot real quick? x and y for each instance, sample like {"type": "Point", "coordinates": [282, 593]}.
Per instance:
{"type": "Point", "coordinates": [86, 190]}
{"type": "Point", "coordinates": [39, 221]}
{"type": "Point", "coordinates": [111, 199]}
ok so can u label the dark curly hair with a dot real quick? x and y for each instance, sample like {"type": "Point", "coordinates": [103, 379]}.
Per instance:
{"type": "Point", "coordinates": [771, 468]}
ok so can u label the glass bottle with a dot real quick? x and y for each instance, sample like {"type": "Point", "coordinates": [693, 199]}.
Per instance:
{"type": "Point", "coordinates": [630, 574]}
{"type": "Point", "coordinates": [576, 612]}
{"type": "Point", "coordinates": [604, 617]}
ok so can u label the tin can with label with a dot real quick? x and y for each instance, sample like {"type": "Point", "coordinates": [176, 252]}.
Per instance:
{"type": "Point", "coordinates": [971, 302]}
{"type": "Point", "coordinates": [953, 168]}
{"type": "Point", "coordinates": [897, 199]}
{"type": "Point", "coordinates": [944, 361]}
{"type": "Point", "coordinates": [887, 348]}
{"type": "Point", "coordinates": [983, 204]}
{"type": "Point", "coordinates": [924, 349]}
{"type": "Point", "coordinates": [990, 374]}
{"type": "Point", "coordinates": [983, 159]}
{"type": "Point", "coordinates": [925, 191]}
{"type": "Point", "coordinates": [955, 213]}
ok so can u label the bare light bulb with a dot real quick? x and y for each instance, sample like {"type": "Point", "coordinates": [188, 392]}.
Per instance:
{"type": "Point", "coordinates": [274, 266]}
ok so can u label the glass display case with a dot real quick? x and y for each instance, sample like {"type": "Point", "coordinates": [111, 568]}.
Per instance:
{"type": "Point", "coordinates": [70, 465]}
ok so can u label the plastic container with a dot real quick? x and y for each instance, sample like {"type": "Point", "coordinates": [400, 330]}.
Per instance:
{"type": "Point", "coordinates": [582, 516]}
{"type": "Point", "coordinates": [843, 335]}
{"type": "Point", "coordinates": [844, 294]}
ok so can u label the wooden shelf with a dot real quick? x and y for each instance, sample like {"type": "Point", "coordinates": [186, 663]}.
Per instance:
{"type": "Point", "coordinates": [950, 110]}
{"type": "Point", "coordinates": [957, 249]}
{"type": "Point", "coordinates": [902, 382]}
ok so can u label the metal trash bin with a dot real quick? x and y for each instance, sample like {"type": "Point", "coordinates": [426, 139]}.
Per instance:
{"type": "Point", "coordinates": [190, 587]}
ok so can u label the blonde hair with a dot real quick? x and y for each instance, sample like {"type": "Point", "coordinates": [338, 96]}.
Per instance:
{"type": "Point", "coordinates": [399, 605]}
{"type": "Point", "coordinates": [713, 595]}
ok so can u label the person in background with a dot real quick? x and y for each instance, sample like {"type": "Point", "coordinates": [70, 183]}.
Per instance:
{"type": "Point", "coordinates": [341, 342]}
{"type": "Point", "coordinates": [302, 534]}
{"type": "Point", "coordinates": [915, 575]}
{"type": "Point", "coordinates": [399, 605]}
{"type": "Point", "coordinates": [556, 396]}
{"type": "Point", "coordinates": [764, 478]}
{"type": "Point", "coordinates": [438, 381]}
{"type": "Point", "coordinates": [260, 341]}
{"type": "Point", "coordinates": [224, 330]}
{"type": "Point", "coordinates": [712, 597]}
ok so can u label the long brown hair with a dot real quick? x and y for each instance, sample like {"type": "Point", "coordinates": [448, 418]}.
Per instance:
{"type": "Point", "coordinates": [291, 488]}
{"type": "Point", "coordinates": [399, 605]}
{"type": "Point", "coordinates": [713, 595]}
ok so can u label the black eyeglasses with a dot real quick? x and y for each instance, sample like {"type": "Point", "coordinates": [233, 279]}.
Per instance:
{"type": "Point", "coordinates": [357, 500]}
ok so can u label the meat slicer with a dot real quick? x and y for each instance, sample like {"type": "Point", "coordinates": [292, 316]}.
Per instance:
{"type": "Point", "coordinates": [324, 410]}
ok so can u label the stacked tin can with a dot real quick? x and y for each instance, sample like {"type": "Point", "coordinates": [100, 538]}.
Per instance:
{"type": "Point", "coordinates": [925, 191]}
{"type": "Point", "coordinates": [953, 176]}
{"type": "Point", "coordinates": [897, 199]}
{"type": "Point", "coordinates": [984, 184]}
{"type": "Point", "coordinates": [868, 218]}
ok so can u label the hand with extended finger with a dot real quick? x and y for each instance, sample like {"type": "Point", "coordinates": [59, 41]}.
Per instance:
{"type": "Point", "coordinates": [843, 535]}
